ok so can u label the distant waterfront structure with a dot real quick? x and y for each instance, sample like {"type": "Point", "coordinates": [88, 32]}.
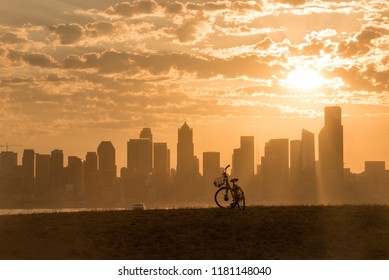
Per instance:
{"type": "Point", "coordinates": [295, 164]}
{"type": "Point", "coordinates": [302, 168]}
{"type": "Point", "coordinates": [275, 170]}
{"type": "Point", "coordinates": [376, 180]}
{"type": "Point", "coordinates": [28, 164]}
{"type": "Point", "coordinates": [146, 134]}
{"type": "Point", "coordinates": [161, 170]}
{"type": "Point", "coordinates": [8, 160]}
{"type": "Point", "coordinates": [243, 162]}
{"type": "Point", "coordinates": [91, 174]}
{"type": "Point", "coordinates": [187, 175]}
{"type": "Point", "coordinates": [74, 174]}
{"type": "Point", "coordinates": [43, 171]}
{"type": "Point", "coordinates": [140, 165]}
{"type": "Point", "coordinates": [106, 163]}
{"type": "Point", "coordinates": [211, 171]}
{"type": "Point", "coordinates": [331, 156]}
{"type": "Point", "coordinates": [57, 170]}
{"type": "Point", "coordinates": [8, 163]}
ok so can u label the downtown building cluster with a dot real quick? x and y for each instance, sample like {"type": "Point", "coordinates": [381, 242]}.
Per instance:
{"type": "Point", "coordinates": [288, 173]}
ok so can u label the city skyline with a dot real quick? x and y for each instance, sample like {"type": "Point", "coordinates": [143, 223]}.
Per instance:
{"type": "Point", "coordinates": [102, 70]}
{"type": "Point", "coordinates": [226, 157]}
{"type": "Point", "coordinates": [288, 172]}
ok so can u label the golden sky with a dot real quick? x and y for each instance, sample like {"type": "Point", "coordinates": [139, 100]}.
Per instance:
{"type": "Point", "coordinates": [74, 73]}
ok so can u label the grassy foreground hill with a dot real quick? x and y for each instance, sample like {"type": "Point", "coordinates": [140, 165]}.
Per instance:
{"type": "Point", "coordinates": [287, 232]}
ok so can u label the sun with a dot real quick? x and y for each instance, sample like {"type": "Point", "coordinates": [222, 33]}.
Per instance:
{"type": "Point", "coordinates": [303, 79]}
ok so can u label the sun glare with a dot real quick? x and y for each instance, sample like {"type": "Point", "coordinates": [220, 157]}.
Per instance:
{"type": "Point", "coordinates": [303, 79]}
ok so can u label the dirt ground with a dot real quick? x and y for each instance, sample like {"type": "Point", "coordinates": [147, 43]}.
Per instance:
{"type": "Point", "coordinates": [282, 232]}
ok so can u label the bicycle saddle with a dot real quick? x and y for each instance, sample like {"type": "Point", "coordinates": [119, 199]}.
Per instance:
{"type": "Point", "coordinates": [234, 180]}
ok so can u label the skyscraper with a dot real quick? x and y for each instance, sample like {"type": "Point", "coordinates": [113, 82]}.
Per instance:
{"type": "Point", "coordinates": [90, 173]}
{"type": "Point", "coordinates": [211, 171]}
{"type": "Point", "coordinates": [146, 133]}
{"type": "Point", "coordinates": [139, 156]}
{"type": "Point", "coordinates": [140, 165]}
{"type": "Point", "coordinates": [211, 167]}
{"type": "Point", "coordinates": [308, 172]}
{"type": "Point", "coordinates": [275, 170]}
{"type": "Point", "coordinates": [74, 174]}
{"type": "Point", "coordinates": [43, 171]}
{"type": "Point", "coordinates": [106, 163]}
{"type": "Point", "coordinates": [295, 163]}
{"type": "Point", "coordinates": [186, 160]}
{"type": "Point", "coordinates": [302, 168]}
{"type": "Point", "coordinates": [161, 170]}
{"type": "Point", "coordinates": [8, 162]}
{"type": "Point", "coordinates": [243, 162]}
{"type": "Point", "coordinates": [28, 163]}
{"type": "Point", "coordinates": [331, 155]}
{"type": "Point", "coordinates": [187, 176]}
{"type": "Point", "coordinates": [57, 170]}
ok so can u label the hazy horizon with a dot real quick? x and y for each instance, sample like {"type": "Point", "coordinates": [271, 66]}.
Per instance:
{"type": "Point", "coordinates": [75, 73]}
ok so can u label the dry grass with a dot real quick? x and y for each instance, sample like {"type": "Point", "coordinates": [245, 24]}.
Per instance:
{"type": "Point", "coordinates": [290, 232]}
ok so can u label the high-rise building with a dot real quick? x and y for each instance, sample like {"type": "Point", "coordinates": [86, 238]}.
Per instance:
{"type": "Point", "coordinates": [8, 160]}
{"type": "Point", "coordinates": [90, 173]}
{"type": "Point", "coordinates": [243, 162]}
{"type": "Point", "coordinates": [331, 155]}
{"type": "Point", "coordinates": [161, 170]}
{"type": "Point", "coordinates": [140, 166]}
{"type": "Point", "coordinates": [187, 176]}
{"type": "Point", "coordinates": [43, 171]}
{"type": "Point", "coordinates": [28, 163]}
{"type": "Point", "coordinates": [211, 171]}
{"type": "Point", "coordinates": [139, 156]}
{"type": "Point", "coordinates": [74, 174]}
{"type": "Point", "coordinates": [275, 170]}
{"type": "Point", "coordinates": [57, 170]}
{"type": "Point", "coordinates": [295, 163]}
{"type": "Point", "coordinates": [302, 168]}
{"type": "Point", "coordinates": [186, 160]}
{"type": "Point", "coordinates": [146, 134]}
{"type": "Point", "coordinates": [308, 172]}
{"type": "Point", "coordinates": [106, 163]}
{"type": "Point", "coordinates": [376, 180]}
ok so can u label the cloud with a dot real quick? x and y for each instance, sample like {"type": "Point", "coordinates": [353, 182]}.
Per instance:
{"type": "Point", "coordinates": [174, 8]}
{"type": "Point", "coordinates": [39, 59]}
{"type": "Point", "coordinates": [161, 64]}
{"type": "Point", "coordinates": [106, 62]}
{"type": "Point", "coordinates": [100, 28]}
{"type": "Point", "coordinates": [264, 44]}
{"type": "Point", "coordinates": [68, 33]}
{"type": "Point", "coordinates": [293, 2]}
{"type": "Point", "coordinates": [366, 78]}
{"type": "Point", "coordinates": [131, 9]}
{"type": "Point", "coordinates": [361, 43]}
{"type": "Point", "coordinates": [191, 28]}
{"type": "Point", "coordinates": [11, 38]}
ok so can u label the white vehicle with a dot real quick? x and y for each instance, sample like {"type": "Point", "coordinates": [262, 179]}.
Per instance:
{"type": "Point", "coordinates": [138, 206]}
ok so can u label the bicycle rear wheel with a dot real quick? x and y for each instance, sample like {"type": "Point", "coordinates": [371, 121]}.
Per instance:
{"type": "Point", "coordinates": [241, 201]}
{"type": "Point", "coordinates": [223, 198]}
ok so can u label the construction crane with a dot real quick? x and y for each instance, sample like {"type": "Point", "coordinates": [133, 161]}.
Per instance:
{"type": "Point", "coordinates": [6, 146]}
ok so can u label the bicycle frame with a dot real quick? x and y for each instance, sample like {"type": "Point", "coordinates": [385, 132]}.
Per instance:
{"type": "Point", "coordinates": [222, 197]}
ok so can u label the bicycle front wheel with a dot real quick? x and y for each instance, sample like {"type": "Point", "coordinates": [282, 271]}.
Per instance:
{"type": "Point", "coordinates": [223, 198]}
{"type": "Point", "coordinates": [241, 202]}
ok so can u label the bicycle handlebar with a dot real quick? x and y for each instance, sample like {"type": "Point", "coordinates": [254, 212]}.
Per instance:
{"type": "Point", "coordinates": [225, 169]}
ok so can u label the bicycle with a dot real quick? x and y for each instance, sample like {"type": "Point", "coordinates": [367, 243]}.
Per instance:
{"type": "Point", "coordinates": [228, 196]}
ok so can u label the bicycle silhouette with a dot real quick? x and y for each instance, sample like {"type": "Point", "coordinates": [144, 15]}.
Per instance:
{"type": "Point", "coordinates": [228, 196]}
